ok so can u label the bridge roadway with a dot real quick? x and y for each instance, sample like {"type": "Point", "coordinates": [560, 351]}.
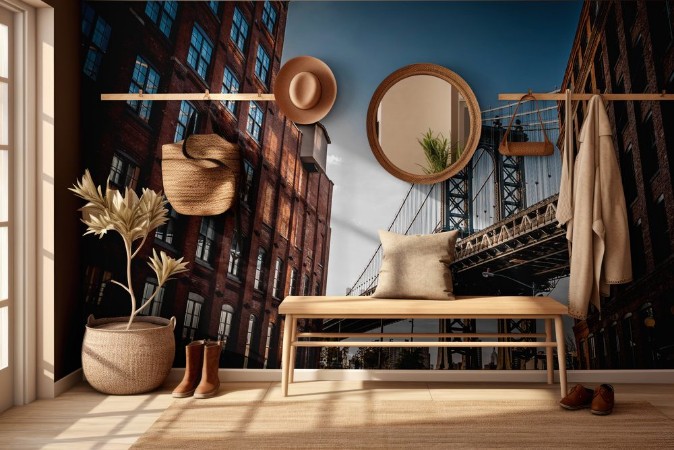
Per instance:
{"type": "Point", "coordinates": [527, 246]}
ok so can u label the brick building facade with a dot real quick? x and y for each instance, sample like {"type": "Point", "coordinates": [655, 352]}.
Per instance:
{"type": "Point", "coordinates": [236, 279]}
{"type": "Point", "coordinates": [628, 47]}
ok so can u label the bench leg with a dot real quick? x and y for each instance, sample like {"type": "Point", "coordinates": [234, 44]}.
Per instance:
{"type": "Point", "coordinates": [285, 361]}
{"type": "Point", "coordinates": [561, 353]}
{"type": "Point", "coordinates": [549, 363]}
{"type": "Point", "coordinates": [293, 353]}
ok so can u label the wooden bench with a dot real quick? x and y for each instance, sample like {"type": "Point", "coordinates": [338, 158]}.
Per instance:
{"type": "Point", "coordinates": [347, 307]}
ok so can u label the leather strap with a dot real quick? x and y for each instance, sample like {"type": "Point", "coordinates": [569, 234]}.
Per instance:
{"type": "Point", "coordinates": [189, 130]}
{"type": "Point", "coordinates": [512, 119]}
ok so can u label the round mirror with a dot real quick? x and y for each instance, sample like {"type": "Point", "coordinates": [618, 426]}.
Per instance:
{"type": "Point", "coordinates": [423, 123]}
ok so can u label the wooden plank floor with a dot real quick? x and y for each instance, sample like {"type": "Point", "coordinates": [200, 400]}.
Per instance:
{"type": "Point", "coordinates": [82, 418]}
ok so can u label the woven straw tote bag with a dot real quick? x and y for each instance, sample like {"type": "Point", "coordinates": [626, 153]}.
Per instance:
{"type": "Point", "coordinates": [201, 173]}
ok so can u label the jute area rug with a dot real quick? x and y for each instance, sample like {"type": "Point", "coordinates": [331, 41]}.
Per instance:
{"type": "Point", "coordinates": [404, 424]}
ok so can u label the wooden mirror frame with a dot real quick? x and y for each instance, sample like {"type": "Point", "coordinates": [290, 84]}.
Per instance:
{"type": "Point", "coordinates": [473, 111]}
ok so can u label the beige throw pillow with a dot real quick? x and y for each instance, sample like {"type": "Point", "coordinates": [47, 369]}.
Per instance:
{"type": "Point", "coordinates": [412, 267]}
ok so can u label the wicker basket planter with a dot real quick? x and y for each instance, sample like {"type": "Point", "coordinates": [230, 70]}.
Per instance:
{"type": "Point", "coordinates": [121, 362]}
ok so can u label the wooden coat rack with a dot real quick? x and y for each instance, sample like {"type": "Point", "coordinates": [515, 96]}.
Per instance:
{"type": "Point", "coordinates": [574, 97]}
{"type": "Point", "coordinates": [203, 96]}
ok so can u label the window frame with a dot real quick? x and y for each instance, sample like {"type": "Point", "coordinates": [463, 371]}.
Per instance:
{"type": "Point", "coordinates": [273, 18]}
{"type": "Point", "coordinates": [206, 241]}
{"type": "Point", "coordinates": [155, 306]}
{"type": "Point", "coordinates": [230, 106]}
{"type": "Point", "coordinates": [235, 32]}
{"type": "Point", "coordinates": [169, 228]}
{"type": "Point", "coordinates": [225, 323]}
{"type": "Point", "coordinates": [166, 13]}
{"type": "Point", "coordinates": [191, 109]}
{"type": "Point", "coordinates": [292, 286]}
{"type": "Point", "coordinates": [235, 262]}
{"type": "Point", "coordinates": [252, 321]}
{"type": "Point", "coordinates": [198, 54]}
{"type": "Point", "coordinates": [143, 108]}
{"type": "Point", "coordinates": [249, 182]}
{"type": "Point", "coordinates": [262, 64]}
{"type": "Point", "coordinates": [256, 115]}
{"type": "Point", "coordinates": [190, 329]}
{"type": "Point", "coordinates": [277, 284]}
{"type": "Point", "coordinates": [97, 48]}
{"type": "Point", "coordinates": [259, 283]}
{"type": "Point", "coordinates": [130, 179]}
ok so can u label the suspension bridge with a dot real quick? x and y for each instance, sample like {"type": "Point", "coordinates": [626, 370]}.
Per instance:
{"type": "Point", "coordinates": [504, 208]}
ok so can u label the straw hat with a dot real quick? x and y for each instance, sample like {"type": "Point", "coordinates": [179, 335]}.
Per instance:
{"type": "Point", "coordinates": [305, 89]}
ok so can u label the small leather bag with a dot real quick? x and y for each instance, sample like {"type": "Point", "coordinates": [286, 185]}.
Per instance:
{"type": "Point", "coordinates": [544, 148]}
{"type": "Point", "coordinates": [201, 173]}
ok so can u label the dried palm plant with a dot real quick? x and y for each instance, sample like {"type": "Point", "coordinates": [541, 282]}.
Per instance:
{"type": "Point", "coordinates": [439, 152]}
{"type": "Point", "coordinates": [133, 218]}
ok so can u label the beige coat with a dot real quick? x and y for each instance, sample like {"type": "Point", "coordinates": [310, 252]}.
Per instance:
{"type": "Point", "coordinates": [592, 205]}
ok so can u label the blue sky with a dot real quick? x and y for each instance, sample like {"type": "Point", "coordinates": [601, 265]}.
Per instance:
{"type": "Point", "coordinates": [495, 46]}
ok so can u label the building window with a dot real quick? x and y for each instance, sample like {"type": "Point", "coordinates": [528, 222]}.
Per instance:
{"type": "Point", "coordinates": [206, 241]}
{"type": "Point", "coordinates": [248, 187]}
{"type": "Point", "coordinates": [162, 14]}
{"type": "Point", "coordinates": [239, 30]}
{"type": "Point", "coordinates": [192, 314]}
{"type": "Point", "coordinates": [660, 231]}
{"type": "Point", "coordinates": [96, 281]}
{"type": "Point", "coordinates": [648, 146]}
{"type": "Point", "coordinates": [215, 7]}
{"type": "Point", "coordinates": [230, 85]}
{"type": "Point", "coordinates": [305, 285]}
{"type": "Point", "coordinates": [627, 172]}
{"type": "Point", "coordinates": [154, 308]}
{"type": "Point", "coordinates": [255, 118]}
{"type": "Point", "coordinates": [235, 260]}
{"type": "Point", "coordinates": [581, 354]}
{"type": "Point", "coordinates": [249, 339]}
{"type": "Point", "coordinates": [123, 172]}
{"type": "Point", "coordinates": [96, 32]}
{"type": "Point", "coordinates": [277, 288]}
{"type": "Point", "coordinates": [292, 290]}
{"type": "Point", "coordinates": [628, 341]}
{"type": "Point", "coordinates": [269, 16]}
{"type": "Point", "coordinates": [186, 110]}
{"type": "Point", "coordinates": [166, 232]}
{"type": "Point", "coordinates": [260, 269]}
{"type": "Point", "coordinates": [200, 52]}
{"type": "Point", "coordinates": [317, 290]}
{"type": "Point", "coordinates": [225, 325]}
{"type": "Point", "coordinates": [262, 64]}
{"type": "Point", "coordinates": [267, 345]}
{"type": "Point", "coordinates": [593, 351]}
{"type": "Point", "coordinates": [146, 79]}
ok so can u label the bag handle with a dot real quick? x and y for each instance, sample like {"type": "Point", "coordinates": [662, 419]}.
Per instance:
{"type": "Point", "coordinates": [512, 119]}
{"type": "Point", "coordinates": [191, 123]}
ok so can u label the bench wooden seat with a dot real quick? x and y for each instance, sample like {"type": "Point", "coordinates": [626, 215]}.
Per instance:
{"type": "Point", "coordinates": [464, 307]}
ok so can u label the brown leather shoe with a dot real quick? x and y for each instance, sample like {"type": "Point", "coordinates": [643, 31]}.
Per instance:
{"type": "Point", "coordinates": [194, 360]}
{"type": "Point", "coordinates": [210, 382]}
{"type": "Point", "coordinates": [579, 397]}
{"type": "Point", "coordinates": [603, 400]}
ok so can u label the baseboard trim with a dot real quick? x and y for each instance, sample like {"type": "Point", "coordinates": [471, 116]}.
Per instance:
{"type": "Point", "coordinates": [493, 376]}
{"type": "Point", "coordinates": [67, 382]}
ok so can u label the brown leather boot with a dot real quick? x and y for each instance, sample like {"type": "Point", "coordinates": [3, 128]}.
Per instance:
{"type": "Point", "coordinates": [578, 397]}
{"type": "Point", "coordinates": [210, 382]}
{"type": "Point", "coordinates": [194, 360]}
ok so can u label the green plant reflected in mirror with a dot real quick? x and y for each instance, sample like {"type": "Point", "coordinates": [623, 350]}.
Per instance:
{"type": "Point", "coordinates": [423, 123]}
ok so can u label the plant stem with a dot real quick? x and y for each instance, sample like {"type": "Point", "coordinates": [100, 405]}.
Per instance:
{"type": "Point", "coordinates": [139, 247]}
{"type": "Point", "coordinates": [120, 285]}
{"type": "Point", "coordinates": [129, 255]}
{"type": "Point", "coordinates": [154, 294]}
